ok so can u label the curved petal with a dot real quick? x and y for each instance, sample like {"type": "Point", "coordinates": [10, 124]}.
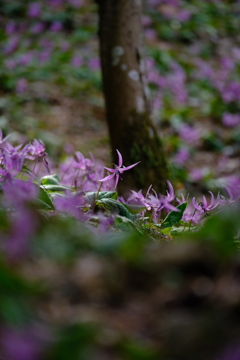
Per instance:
{"type": "Point", "coordinates": [230, 194]}
{"type": "Point", "coordinates": [106, 178]}
{"type": "Point", "coordinates": [196, 206]}
{"type": "Point", "coordinates": [120, 159]}
{"type": "Point", "coordinates": [110, 170]}
{"type": "Point", "coordinates": [204, 203]}
{"type": "Point", "coordinates": [213, 207]}
{"type": "Point", "coordinates": [170, 194]}
{"type": "Point", "coordinates": [116, 181]}
{"type": "Point", "coordinates": [130, 166]}
{"type": "Point", "coordinates": [212, 199]}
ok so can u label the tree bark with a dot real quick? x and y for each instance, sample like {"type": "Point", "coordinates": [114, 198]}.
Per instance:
{"type": "Point", "coordinates": [124, 84]}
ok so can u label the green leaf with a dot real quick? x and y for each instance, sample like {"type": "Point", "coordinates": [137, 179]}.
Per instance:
{"type": "Point", "coordinates": [41, 205]}
{"type": "Point", "coordinates": [91, 196]}
{"type": "Point", "coordinates": [167, 231]}
{"type": "Point", "coordinates": [134, 209]}
{"type": "Point", "coordinates": [174, 216]}
{"type": "Point", "coordinates": [50, 180]}
{"type": "Point", "coordinates": [26, 170]}
{"type": "Point", "coordinates": [125, 223]}
{"type": "Point", "coordinates": [107, 195]}
{"type": "Point", "coordinates": [55, 188]}
{"type": "Point", "coordinates": [44, 197]}
{"type": "Point", "coordinates": [73, 342]}
{"type": "Point", "coordinates": [114, 206]}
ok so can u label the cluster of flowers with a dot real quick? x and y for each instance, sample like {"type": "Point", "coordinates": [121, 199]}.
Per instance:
{"type": "Point", "coordinates": [23, 48]}
{"type": "Point", "coordinates": [74, 190]}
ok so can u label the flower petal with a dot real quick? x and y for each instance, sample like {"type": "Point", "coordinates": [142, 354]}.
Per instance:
{"type": "Point", "coordinates": [212, 199]}
{"type": "Point", "coordinates": [116, 181]}
{"type": "Point", "coordinates": [196, 206]}
{"type": "Point", "coordinates": [130, 166]}
{"type": "Point", "coordinates": [170, 194]}
{"type": "Point", "coordinates": [106, 178]}
{"type": "Point", "coordinates": [110, 170]}
{"type": "Point", "coordinates": [120, 159]}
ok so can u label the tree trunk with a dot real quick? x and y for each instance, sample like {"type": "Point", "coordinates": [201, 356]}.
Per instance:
{"type": "Point", "coordinates": [124, 85]}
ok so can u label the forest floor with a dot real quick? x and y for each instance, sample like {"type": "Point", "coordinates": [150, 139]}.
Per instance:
{"type": "Point", "coordinates": [69, 123]}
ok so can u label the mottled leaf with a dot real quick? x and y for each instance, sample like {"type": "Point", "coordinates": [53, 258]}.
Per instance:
{"type": "Point", "coordinates": [174, 216]}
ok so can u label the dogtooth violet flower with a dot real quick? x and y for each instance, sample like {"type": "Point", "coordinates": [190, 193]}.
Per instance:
{"type": "Point", "coordinates": [118, 170]}
{"type": "Point", "coordinates": [204, 207]}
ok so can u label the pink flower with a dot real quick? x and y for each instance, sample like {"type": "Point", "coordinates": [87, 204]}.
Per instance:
{"type": "Point", "coordinates": [119, 169]}
{"type": "Point", "coordinates": [204, 207]}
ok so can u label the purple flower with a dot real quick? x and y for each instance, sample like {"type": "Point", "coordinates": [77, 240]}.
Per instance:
{"type": "Point", "coordinates": [19, 191]}
{"type": "Point", "coordinates": [70, 204]}
{"type": "Point", "coordinates": [44, 56]}
{"type": "Point", "coordinates": [227, 63]}
{"type": "Point", "coordinates": [118, 170]}
{"type": "Point", "coordinates": [13, 158]}
{"type": "Point", "coordinates": [36, 151]}
{"type": "Point", "coordinates": [11, 45]}
{"type": "Point", "coordinates": [232, 187]}
{"type": "Point", "coordinates": [189, 134]}
{"type": "Point", "coordinates": [82, 163]}
{"type": "Point", "coordinates": [77, 60]}
{"type": "Point", "coordinates": [161, 202]}
{"type": "Point", "coordinates": [176, 82]}
{"type": "Point", "coordinates": [10, 28]}
{"type": "Point", "coordinates": [56, 3]}
{"type": "Point", "coordinates": [192, 216]}
{"type": "Point", "coordinates": [204, 69]}
{"type": "Point", "coordinates": [146, 21]}
{"type": "Point", "coordinates": [170, 194]}
{"type": "Point", "coordinates": [204, 207]}
{"type": "Point", "coordinates": [158, 203]}
{"type": "Point", "coordinates": [20, 344]}
{"type": "Point", "coordinates": [10, 64]}
{"type": "Point", "coordinates": [25, 59]}
{"type": "Point", "coordinates": [231, 353]}
{"type": "Point", "coordinates": [197, 174]}
{"type": "Point", "coordinates": [34, 10]}
{"type": "Point", "coordinates": [183, 15]}
{"type": "Point", "coordinates": [3, 140]}
{"type": "Point", "coordinates": [94, 64]}
{"type": "Point", "coordinates": [182, 156]}
{"type": "Point", "coordinates": [137, 198]}
{"type": "Point", "coordinates": [234, 183]}
{"type": "Point", "coordinates": [37, 28]}
{"type": "Point", "coordinates": [22, 85]}
{"type": "Point", "coordinates": [231, 92]}
{"type": "Point", "coordinates": [56, 26]}
{"type": "Point", "coordinates": [231, 120]}
{"type": "Point", "coordinates": [24, 223]}
{"type": "Point", "coordinates": [150, 34]}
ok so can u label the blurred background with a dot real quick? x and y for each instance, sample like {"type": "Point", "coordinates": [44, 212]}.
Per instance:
{"type": "Point", "coordinates": [50, 80]}
{"type": "Point", "coordinates": [120, 297]}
